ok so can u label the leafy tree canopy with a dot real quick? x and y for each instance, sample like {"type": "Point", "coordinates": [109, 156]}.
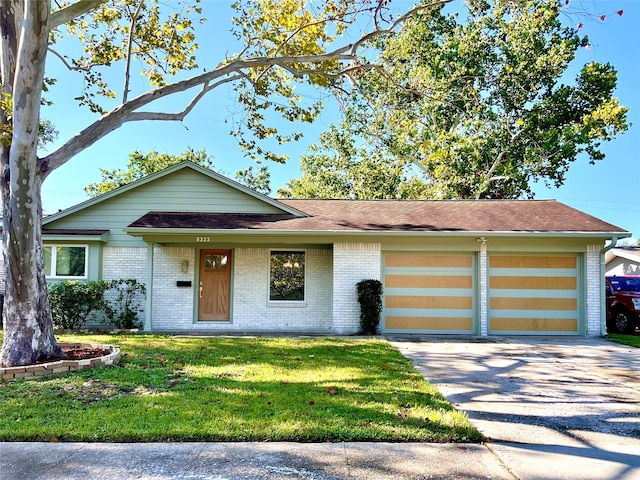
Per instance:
{"type": "Point", "coordinates": [480, 107]}
{"type": "Point", "coordinates": [337, 168]}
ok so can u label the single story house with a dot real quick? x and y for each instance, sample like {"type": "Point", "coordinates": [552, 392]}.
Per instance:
{"type": "Point", "coordinates": [622, 261]}
{"type": "Point", "coordinates": [217, 256]}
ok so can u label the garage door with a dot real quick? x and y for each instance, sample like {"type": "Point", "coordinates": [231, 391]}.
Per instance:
{"type": "Point", "coordinates": [533, 294]}
{"type": "Point", "coordinates": [429, 293]}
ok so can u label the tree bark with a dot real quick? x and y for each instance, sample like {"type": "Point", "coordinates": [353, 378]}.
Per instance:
{"type": "Point", "coordinates": [28, 327]}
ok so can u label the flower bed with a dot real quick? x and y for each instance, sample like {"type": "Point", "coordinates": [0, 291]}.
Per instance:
{"type": "Point", "coordinates": [102, 355]}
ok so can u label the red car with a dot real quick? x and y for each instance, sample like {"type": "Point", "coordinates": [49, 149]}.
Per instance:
{"type": "Point", "coordinates": [623, 304]}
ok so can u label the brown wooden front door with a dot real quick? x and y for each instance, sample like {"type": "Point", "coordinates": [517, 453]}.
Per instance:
{"type": "Point", "coordinates": [215, 285]}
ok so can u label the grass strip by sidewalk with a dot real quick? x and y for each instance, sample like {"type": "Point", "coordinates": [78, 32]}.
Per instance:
{"type": "Point", "coordinates": [631, 340]}
{"type": "Point", "coordinates": [234, 389]}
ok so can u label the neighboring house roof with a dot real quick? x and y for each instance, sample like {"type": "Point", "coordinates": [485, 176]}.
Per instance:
{"type": "Point", "coordinates": [543, 216]}
{"type": "Point", "coordinates": [628, 253]}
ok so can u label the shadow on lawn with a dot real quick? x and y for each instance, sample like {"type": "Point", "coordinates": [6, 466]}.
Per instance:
{"type": "Point", "coordinates": [215, 390]}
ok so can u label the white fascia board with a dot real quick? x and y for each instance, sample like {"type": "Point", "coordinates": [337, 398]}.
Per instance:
{"type": "Point", "coordinates": [140, 231]}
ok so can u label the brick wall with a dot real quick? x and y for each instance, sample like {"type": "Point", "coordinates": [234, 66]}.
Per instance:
{"type": "Point", "coordinates": [172, 305]}
{"type": "Point", "coordinates": [124, 263]}
{"type": "Point", "coordinates": [594, 286]}
{"type": "Point", "coordinates": [251, 309]}
{"type": "Point", "coordinates": [483, 288]}
{"type": "Point", "coordinates": [352, 262]}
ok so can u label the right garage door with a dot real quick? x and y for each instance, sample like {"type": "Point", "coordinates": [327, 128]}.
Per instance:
{"type": "Point", "coordinates": [534, 294]}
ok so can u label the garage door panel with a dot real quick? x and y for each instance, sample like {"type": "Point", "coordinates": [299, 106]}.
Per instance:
{"type": "Point", "coordinates": [429, 292]}
{"type": "Point", "coordinates": [429, 323]}
{"type": "Point", "coordinates": [427, 260]}
{"type": "Point", "coordinates": [513, 261]}
{"type": "Point", "coordinates": [534, 294]}
{"type": "Point", "coordinates": [535, 324]}
{"type": "Point", "coordinates": [414, 301]}
{"type": "Point", "coordinates": [533, 303]}
{"type": "Point", "coordinates": [428, 281]}
{"type": "Point", "coordinates": [535, 283]}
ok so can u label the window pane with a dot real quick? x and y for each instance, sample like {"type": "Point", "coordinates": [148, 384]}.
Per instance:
{"type": "Point", "coordinates": [70, 261]}
{"type": "Point", "coordinates": [47, 261]}
{"type": "Point", "coordinates": [286, 279]}
{"type": "Point", "coordinates": [220, 262]}
{"type": "Point", "coordinates": [215, 262]}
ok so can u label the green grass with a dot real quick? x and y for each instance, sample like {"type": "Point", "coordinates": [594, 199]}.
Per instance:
{"type": "Point", "coordinates": [631, 340]}
{"type": "Point", "coordinates": [234, 389]}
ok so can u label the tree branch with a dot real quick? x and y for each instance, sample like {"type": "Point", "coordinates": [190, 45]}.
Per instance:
{"type": "Point", "coordinates": [67, 64]}
{"type": "Point", "coordinates": [72, 11]}
{"type": "Point", "coordinates": [232, 70]}
{"type": "Point", "coordinates": [401, 19]}
{"type": "Point", "coordinates": [127, 70]}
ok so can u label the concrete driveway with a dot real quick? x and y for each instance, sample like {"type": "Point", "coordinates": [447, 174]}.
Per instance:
{"type": "Point", "coordinates": [552, 407]}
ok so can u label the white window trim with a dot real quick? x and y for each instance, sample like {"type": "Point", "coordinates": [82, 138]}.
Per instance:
{"type": "Point", "coordinates": [286, 303]}
{"type": "Point", "coordinates": [54, 253]}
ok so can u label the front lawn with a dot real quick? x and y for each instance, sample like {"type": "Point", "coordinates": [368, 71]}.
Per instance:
{"type": "Point", "coordinates": [234, 389]}
{"type": "Point", "coordinates": [631, 340]}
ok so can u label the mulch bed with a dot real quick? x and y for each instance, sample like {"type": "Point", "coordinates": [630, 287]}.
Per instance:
{"type": "Point", "coordinates": [77, 352]}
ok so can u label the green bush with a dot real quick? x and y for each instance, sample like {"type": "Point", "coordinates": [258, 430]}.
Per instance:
{"type": "Point", "coordinates": [119, 301]}
{"type": "Point", "coordinates": [370, 299]}
{"type": "Point", "coordinates": [125, 304]}
{"type": "Point", "coordinates": [72, 302]}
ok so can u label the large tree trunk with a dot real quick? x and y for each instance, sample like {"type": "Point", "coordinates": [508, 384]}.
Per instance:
{"type": "Point", "coordinates": [28, 327]}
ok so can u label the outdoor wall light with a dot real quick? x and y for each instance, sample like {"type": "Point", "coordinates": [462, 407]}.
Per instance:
{"type": "Point", "coordinates": [184, 267]}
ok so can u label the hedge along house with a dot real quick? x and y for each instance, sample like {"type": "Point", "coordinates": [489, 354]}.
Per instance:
{"type": "Point", "coordinates": [217, 256]}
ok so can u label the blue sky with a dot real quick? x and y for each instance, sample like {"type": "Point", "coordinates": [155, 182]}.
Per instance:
{"type": "Point", "coordinates": [609, 190]}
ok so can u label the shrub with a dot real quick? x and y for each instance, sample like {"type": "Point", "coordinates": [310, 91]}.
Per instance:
{"type": "Point", "coordinates": [370, 299]}
{"type": "Point", "coordinates": [125, 305]}
{"type": "Point", "coordinates": [72, 302]}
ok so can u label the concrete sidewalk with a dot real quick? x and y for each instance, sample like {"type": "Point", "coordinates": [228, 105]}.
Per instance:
{"type": "Point", "coordinates": [235, 461]}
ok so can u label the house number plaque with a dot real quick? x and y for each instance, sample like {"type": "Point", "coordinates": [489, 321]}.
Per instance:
{"type": "Point", "coordinates": [203, 239]}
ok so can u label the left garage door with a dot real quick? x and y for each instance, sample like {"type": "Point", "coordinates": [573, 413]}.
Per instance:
{"type": "Point", "coordinates": [429, 292]}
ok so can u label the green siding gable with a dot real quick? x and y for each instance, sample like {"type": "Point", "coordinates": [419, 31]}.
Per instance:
{"type": "Point", "coordinates": [184, 190]}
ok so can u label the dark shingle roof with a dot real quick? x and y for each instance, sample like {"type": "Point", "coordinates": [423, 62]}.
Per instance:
{"type": "Point", "coordinates": [396, 215]}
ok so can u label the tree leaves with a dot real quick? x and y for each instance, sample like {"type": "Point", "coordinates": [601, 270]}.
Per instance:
{"type": "Point", "coordinates": [142, 164]}
{"type": "Point", "coordinates": [478, 107]}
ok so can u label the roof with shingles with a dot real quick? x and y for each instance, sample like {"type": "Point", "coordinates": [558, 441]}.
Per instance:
{"type": "Point", "coordinates": [395, 215]}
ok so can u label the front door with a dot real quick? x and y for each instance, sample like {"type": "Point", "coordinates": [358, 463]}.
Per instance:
{"type": "Point", "coordinates": [214, 302]}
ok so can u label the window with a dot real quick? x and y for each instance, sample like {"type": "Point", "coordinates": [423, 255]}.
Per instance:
{"type": "Point", "coordinates": [286, 276]}
{"type": "Point", "coordinates": [65, 261]}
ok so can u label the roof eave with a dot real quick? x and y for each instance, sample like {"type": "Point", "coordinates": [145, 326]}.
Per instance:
{"type": "Point", "coordinates": [140, 231]}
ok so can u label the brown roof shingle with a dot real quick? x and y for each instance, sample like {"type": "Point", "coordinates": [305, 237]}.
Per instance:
{"type": "Point", "coordinates": [396, 215]}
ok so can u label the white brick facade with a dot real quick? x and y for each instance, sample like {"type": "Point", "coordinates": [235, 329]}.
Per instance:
{"type": "Point", "coordinates": [483, 285]}
{"type": "Point", "coordinates": [172, 307]}
{"type": "Point", "coordinates": [594, 285]}
{"type": "Point", "coordinates": [125, 263]}
{"type": "Point", "coordinates": [251, 309]}
{"type": "Point", "coordinates": [352, 262]}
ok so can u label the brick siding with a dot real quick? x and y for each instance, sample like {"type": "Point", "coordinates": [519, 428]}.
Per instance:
{"type": "Point", "coordinates": [172, 306]}
{"type": "Point", "coordinates": [352, 262]}
{"type": "Point", "coordinates": [594, 286]}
